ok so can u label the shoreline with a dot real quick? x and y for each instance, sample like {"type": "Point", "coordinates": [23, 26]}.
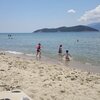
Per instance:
{"type": "Point", "coordinates": [43, 80]}
{"type": "Point", "coordinates": [71, 64]}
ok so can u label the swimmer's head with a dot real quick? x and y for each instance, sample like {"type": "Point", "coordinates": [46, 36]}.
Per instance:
{"type": "Point", "coordinates": [39, 44]}
{"type": "Point", "coordinates": [61, 45]}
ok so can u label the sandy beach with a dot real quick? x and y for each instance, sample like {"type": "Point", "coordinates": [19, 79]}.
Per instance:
{"type": "Point", "coordinates": [46, 81]}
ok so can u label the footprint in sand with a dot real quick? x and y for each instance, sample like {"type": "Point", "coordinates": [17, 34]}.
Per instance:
{"type": "Point", "coordinates": [62, 91]}
{"type": "Point", "coordinates": [2, 70]}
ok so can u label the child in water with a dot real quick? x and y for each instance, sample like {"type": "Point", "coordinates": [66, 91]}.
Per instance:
{"type": "Point", "coordinates": [67, 56]}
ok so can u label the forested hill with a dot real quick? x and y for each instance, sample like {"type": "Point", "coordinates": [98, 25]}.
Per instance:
{"type": "Point", "coordinates": [79, 28]}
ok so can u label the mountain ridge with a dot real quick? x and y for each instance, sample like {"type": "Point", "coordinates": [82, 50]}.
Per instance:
{"type": "Point", "coordinates": [95, 25]}
{"type": "Point", "coordinates": [78, 28]}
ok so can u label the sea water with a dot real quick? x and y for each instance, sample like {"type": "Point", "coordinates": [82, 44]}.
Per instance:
{"type": "Point", "coordinates": [84, 47]}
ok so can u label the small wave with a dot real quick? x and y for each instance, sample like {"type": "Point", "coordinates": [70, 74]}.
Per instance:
{"type": "Point", "coordinates": [14, 52]}
{"type": "Point", "coordinates": [30, 55]}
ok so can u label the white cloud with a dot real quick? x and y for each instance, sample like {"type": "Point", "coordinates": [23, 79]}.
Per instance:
{"type": "Point", "coordinates": [71, 11]}
{"type": "Point", "coordinates": [91, 16]}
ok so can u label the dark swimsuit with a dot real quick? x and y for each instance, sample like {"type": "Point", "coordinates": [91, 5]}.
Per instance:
{"type": "Point", "coordinates": [60, 50]}
{"type": "Point", "coordinates": [38, 49]}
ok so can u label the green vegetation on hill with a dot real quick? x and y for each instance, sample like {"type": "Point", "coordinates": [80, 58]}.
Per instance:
{"type": "Point", "coordinates": [79, 28]}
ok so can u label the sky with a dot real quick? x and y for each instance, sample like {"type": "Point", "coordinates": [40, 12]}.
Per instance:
{"type": "Point", "coordinates": [22, 16]}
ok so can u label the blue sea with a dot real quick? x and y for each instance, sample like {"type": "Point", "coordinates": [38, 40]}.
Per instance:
{"type": "Point", "coordinates": [85, 51]}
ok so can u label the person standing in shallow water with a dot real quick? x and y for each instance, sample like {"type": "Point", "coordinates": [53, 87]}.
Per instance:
{"type": "Point", "coordinates": [60, 50]}
{"type": "Point", "coordinates": [38, 51]}
{"type": "Point", "coordinates": [60, 53]}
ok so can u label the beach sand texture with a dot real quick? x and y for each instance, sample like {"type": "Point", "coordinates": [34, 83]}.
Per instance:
{"type": "Point", "coordinates": [45, 81]}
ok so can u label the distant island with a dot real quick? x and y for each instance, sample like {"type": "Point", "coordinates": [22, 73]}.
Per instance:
{"type": "Point", "coordinates": [78, 28]}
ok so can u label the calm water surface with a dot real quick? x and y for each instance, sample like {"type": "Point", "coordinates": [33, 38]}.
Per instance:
{"type": "Point", "coordinates": [86, 50]}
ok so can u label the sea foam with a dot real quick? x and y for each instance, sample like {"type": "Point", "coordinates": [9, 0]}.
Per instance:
{"type": "Point", "coordinates": [14, 52]}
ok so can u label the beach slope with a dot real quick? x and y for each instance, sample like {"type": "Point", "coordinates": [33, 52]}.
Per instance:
{"type": "Point", "coordinates": [46, 81]}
